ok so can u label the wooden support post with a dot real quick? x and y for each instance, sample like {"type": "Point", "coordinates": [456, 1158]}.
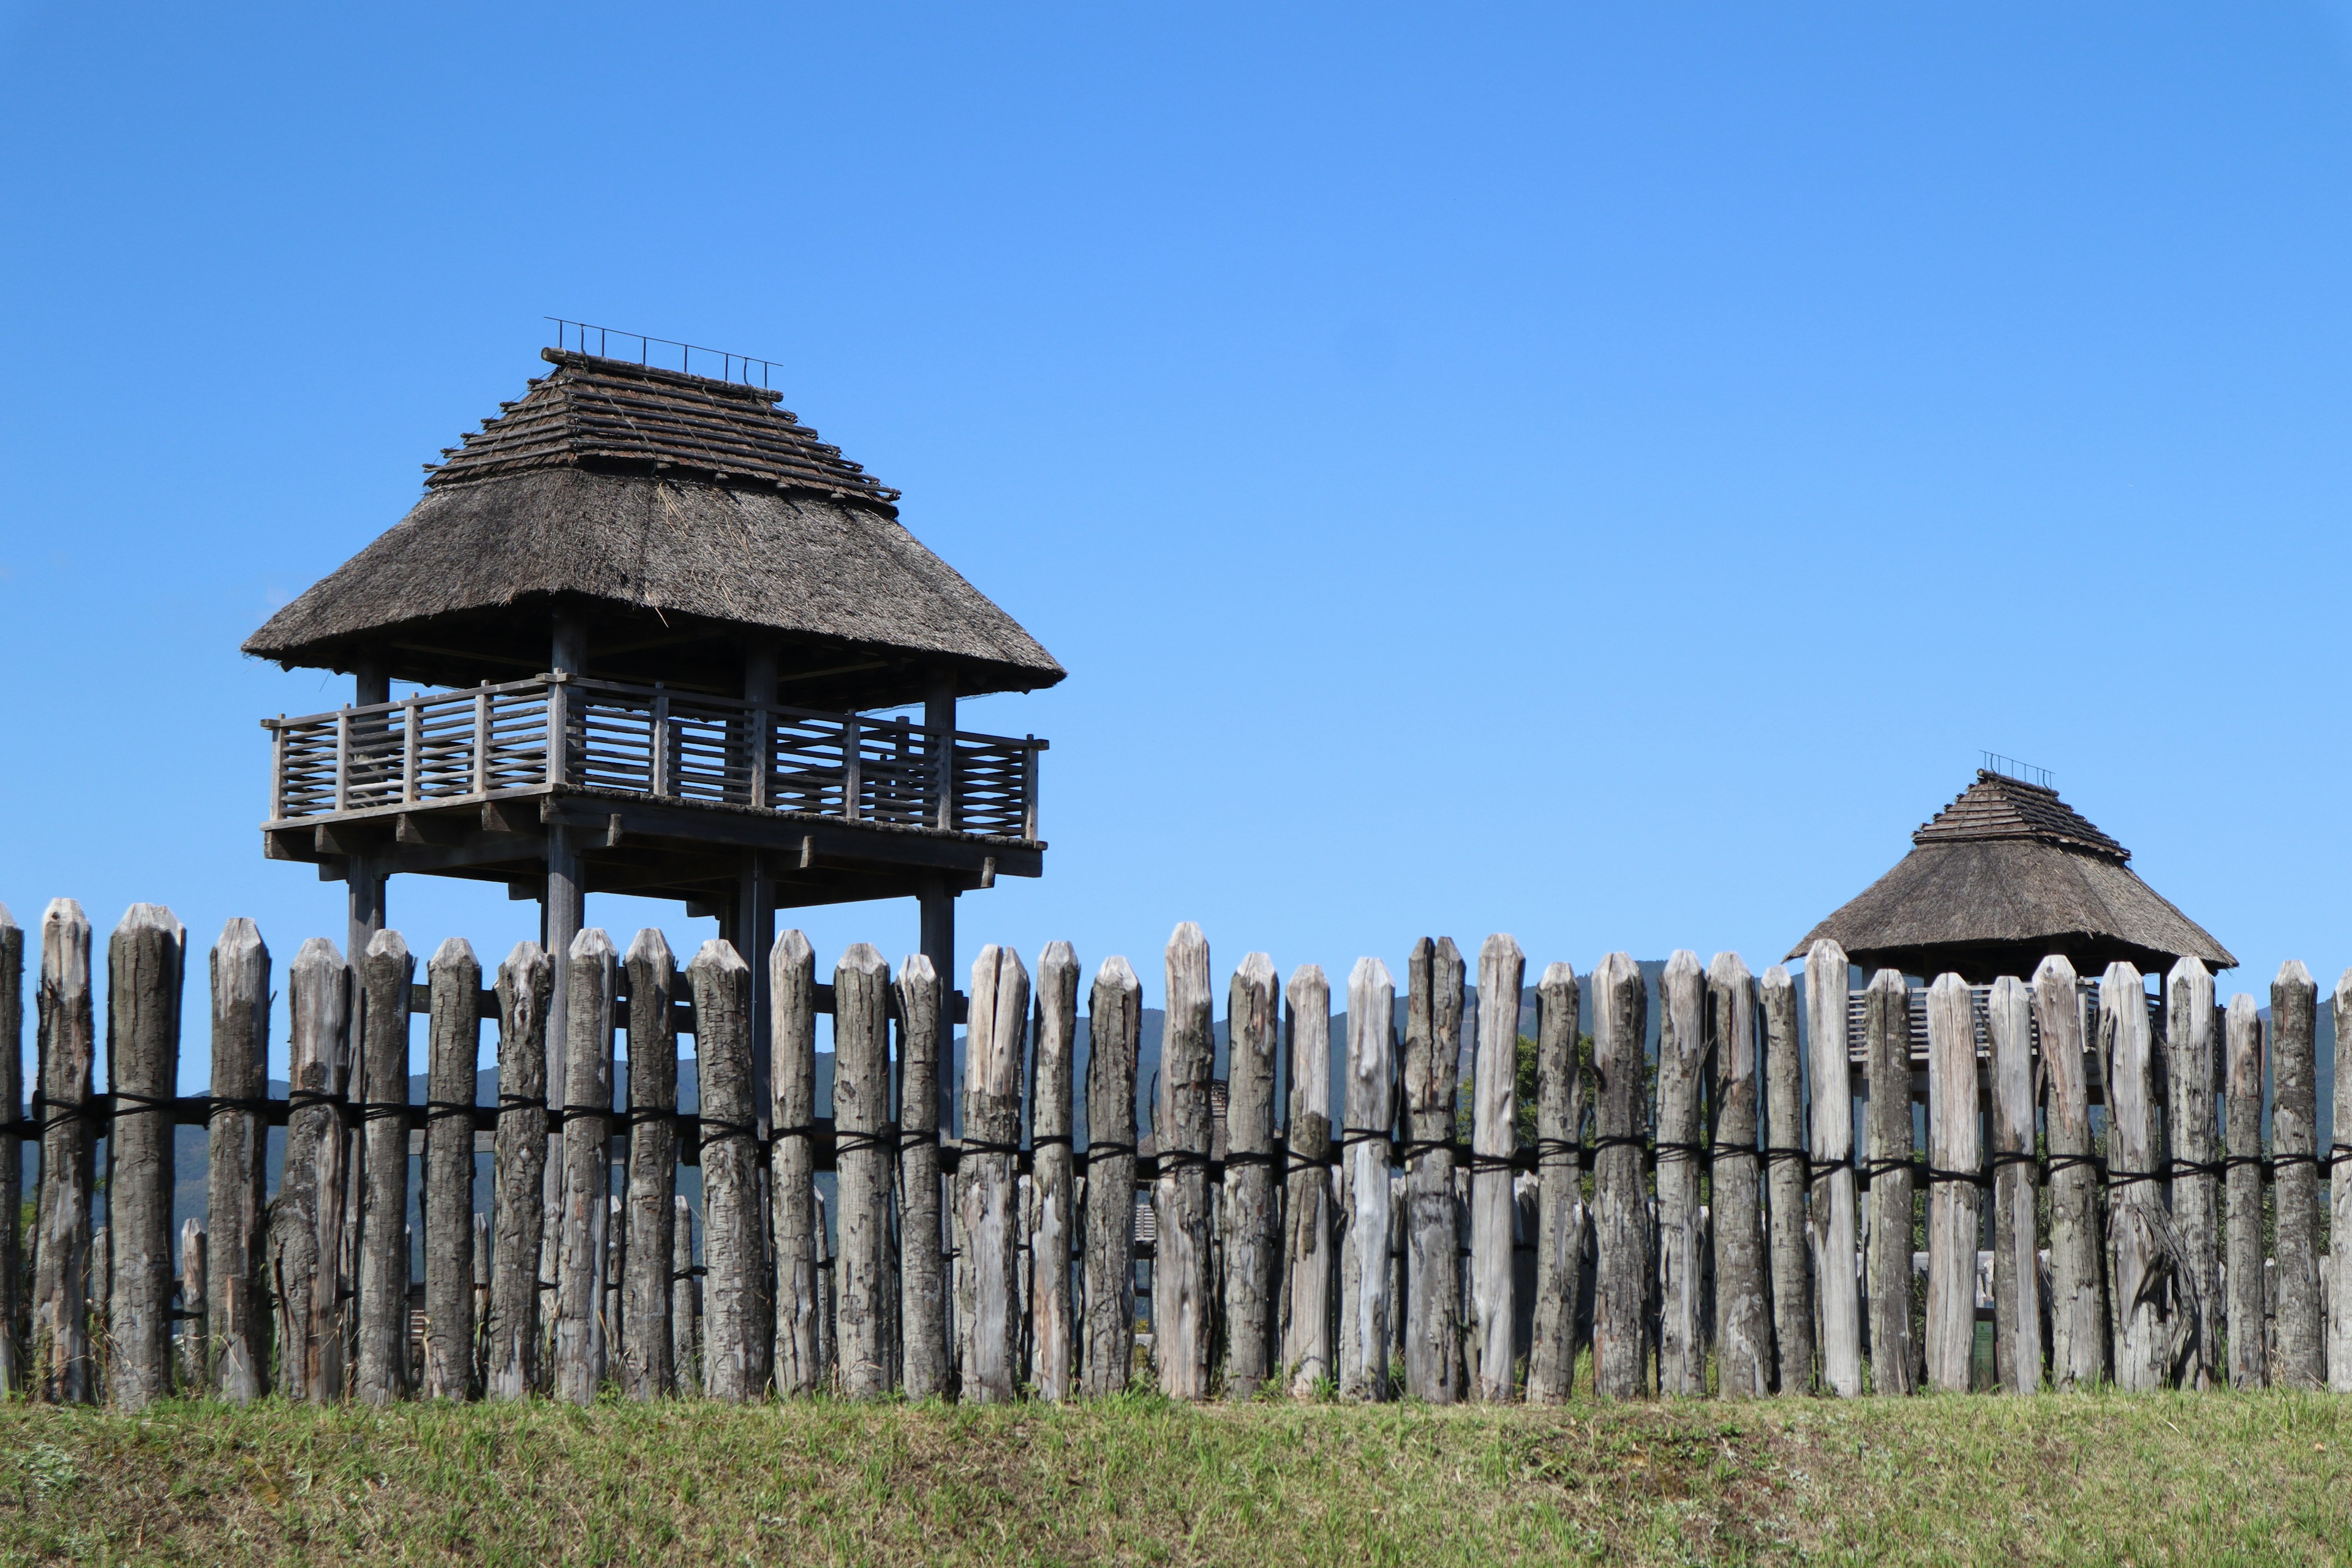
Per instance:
{"type": "Point", "coordinates": [1502, 972]}
{"type": "Point", "coordinates": [1053, 1336]}
{"type": "Point", "coordinates": [196, 1357]}
{"type": "Point", "coordinates": [1560, 1203]}
{"type": "Point", "coordinates": [145, 961]}
{"type": "Point", "coordinates": [306, 1219]}
{"type": "Point", "coordinates": [1248, 1206]}
{"type": "Point", "coordinates": [1956, 1161]}
{"type": "Point", "coordinates": [386, 970]}
{"type": "Point", "coordinates": [2189, 1076]}
{"type": "Point", "coordinates": [648, 1355]}
{"type": "Point", "coordinates": [2016, 1190]}
{"type": "Point", "coordinates": [2339, 1195]}
{"type": "Point", "coordinates": [1621, 1319]}
{"type": "Point", "coordinates": [1432, 1220]}
{"type": "Point", "coordinates": [1743, 1318]}
{"type": "Point", "coordinates": [1893, 1350]}
{"type": "Point", "coordinates": [239, 1345]}
{"type": "Point", "coordinates": [684, 1298]}
{"type": "Point", "coordinates": [511, 1362]}
{"type": "Point", "coordinates": [1114, 1026]}
{"type": "Point", "coordinates": [59, 1366]}
{"type": "Point", "coordinates": [734, 1307]}
{"type": "Point", "coordinates": [1308, 1274]}
{"type": "Point", "coordinates": [1364, 1206]}
{"type": "Point", "coordinates": [791, 1161]}
{"type": "Point", "coordinates": [2078, 1317]}
{"type": "Point", "coordinates": [988, 1194]}
{"type": "Point", "coordinates": [924, 1367]}
{"type": "Point", "coordinates": [12, 1156]}
{"type": "Point", "coordinates": [580, 1344]}
{"type": "Point", "coordinates": [1182, 1305]}
{"type": "Point", "coordinates": [1785, 1174]}
{"type": "Point", "coordinates": [2136, 1220]}
{"type": "Point", "coordinates": [2295, 1180]}
{"type": "Point", "coordinates": [867, 1284]}
{"type": "Point", "coordinates": [454, 1044]}
{"type": "Point", "coordinates": [1682, 1064]}
{"type": "Point", "coordinates": [1832, 1143]}
{"type": "Point", "coordinates": [2248, 1283]}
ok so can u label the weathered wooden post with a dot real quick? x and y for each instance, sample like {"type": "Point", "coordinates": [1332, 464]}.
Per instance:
{"type": "Point", "coordinates": [1620, 1003]}
{"type": "Point", "coordinates": [922, 1262]}
{"type": "Point", "coordinates": [61, 1371]}
{"type": "Point", "coordinates": [828, 1326]}
{"type": "Point", "coordinates": [526, 982]}
{"type": "Point", "coordinates": [867, 1287]}
{"type": "Point", "coordinates": [2294, 1178]}
{"type": "Point", "coordinates": [1113, 1023]}
{"type": "Point", "coordinates": [1248, 1212]}
{"type": "Point", "coordinates": [1682, 1062]}
{"type": "Point", "coordinates": [2016, 1262]}
{"type": "Point", "coordinates": [792, 1160]}
{"type": "Point", "coordinates": [1828, 1058]}
{"type": "Point", "coordinates": [306, 1219]}
{"type": "Point", "coordinates": [988, 1193]}
{"type": "Point", "coordinates": [1955, 1163]}
{"type": "Point", "coordinates": [734, 1324]}
{"type": "Point", "coordinates": [12, 1156]}
{"type": "Point", "coordinates": [145, 961]}
{"type": "Point", "coordinates": [454, 982]}
{"type": "Point", "coordinates": [481, 1297]}
{"type": "Point", "coordinates": [1743, 1318]}
{"type": "Point", "coordinates": [1785, 1173]}
{"type": "Point", "coordinates": [684, 1299]}
{"type": "Point", "coordinates": [2249, 1291]}
{"type": "Point", "coordinates": [2078, 1317]}
{"type": "Point", "coordinates": [196, 1357]}
{"type": "Point", "coordinates": [386, 971]}
{"type": "Point", "coordinates": [2143, 1322]}
{"type": "Point", "coordinates": [1501, 971]}
{"type": "Point", "coordinates": [2189, 1063]}
{"type": "Point", "coordinates": [1364, 1205]}
{"type": "Point", "coordinates": [1560, 1203]}
{"type": "Point", "coordinates": [1053, 1337]}
{"type": "Point", "coordinates": [1432, 1261]}
{"type": "Point", "coordinates": [1886, 1021]}
{"type": "Point", "coordinates": [1181, 1299]}
{"type": "Point", "coordinates": [648, 1354]}
{"type": "Point", "coordinates": [1307, 1276]}
{"type": "Point", "coordinates": [237, 1345]}
{"type": "Point", "coordinates": [2339, 1195]}
{"type": "Point", "coordinates": [579, 1337]}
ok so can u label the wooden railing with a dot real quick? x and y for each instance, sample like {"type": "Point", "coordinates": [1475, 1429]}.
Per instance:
{"type": "Point", "coordinates": [447, 746]}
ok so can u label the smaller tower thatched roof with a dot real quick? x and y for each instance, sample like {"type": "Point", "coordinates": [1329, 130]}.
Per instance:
{"type": "Point", "coordinates": [2003, 877]}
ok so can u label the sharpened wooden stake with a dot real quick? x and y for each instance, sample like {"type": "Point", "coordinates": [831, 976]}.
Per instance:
{"type": "Point", "coordinates": [386, 970]}
{"type": "Point", "coordinates": [1365, 1276]}
{"type": "Point", "coordinates": [1494, 1139]}
{"type": "Point", "coordinates": [512, 1360]}
{"type": "Point", "coordinates": [145, 961]}
{"type": "Point", "coordinates": [1682, 1056]}
{"type": "Point", "coordinates": [1886, 1019]}
{"type": "Point", "coordinates": [2249, 1285]}
{"type": "Point", "coordinates": [1310, 1254]}
{"type": "Point", "coordinates": [924, 1366]}
{"type": "Point", "coordinates": [1113, 1023]}
{"type": "Point", "coordinates": [865, 1282]}
{"type": "Point", "coordinates": [1956, 1156]}
{"type": "Point", "coordinates": [2142, 1252]}
{"type": "Point", "coordinates": [1183, 1299]}
{"type": "Point", "coordinates": [791, 1162]}
{"type": "Point", "coordinates": [988, 1188]}
{"type": "Point", "coordinates": [1621, 1332]}
{"type": "Point", "coordinates": [1743, 1318]}
{"type": "Point", "coordinates": [306, 1218]}
{"type": "Point", "coordinates": [1432, 1219]}
{"type": "Point", "coordinates": [2294, 1181]}
{"type": "Point", "coordinates": [2016, 1190]}
{"type": "Point", "coordinates": [1053, 1335]}
{"type": "Point", "coordinates": [454, 983]}
{"type": "Point", "coordinates": [649, 1362]}
{"type": "Point", "coordinates": [2189, 1082]}
{"type": "Point", "coordinates": [2078, 1316]}
{"type": "Point", "coordinates": [59, 1366]}
{"type": "Point", "coordinates": [1785, 1182]}
{"type": "Point", "coordinates": [1559, 1201]}
{"type": "Point", "coordinates": [235, 1297]}
{"type": "Point", "coordinates": [734, 1294]}
{"type": "Point", "coordinates": [1248, 1211]}
{"type": "Point", "coordinates": [12, 1156]}
{"type": "Point", "coordinates": [1834, 1217]}
{"type": "Point", "coordinates": [579, 1339]}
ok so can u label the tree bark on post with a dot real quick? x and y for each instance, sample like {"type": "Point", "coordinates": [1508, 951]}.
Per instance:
{"type": "Point", "coordinates": [1682, 1066]}
{"type": "Point", "coordinates": [1113, 1023]}
{"type": "Point", "coordinates": [791, 1161]}
{"type": "Point", "coordinates": [2340, 1194]}
{"type": "Point", "coordinates": [236, 1330]}
{"type": "Point", "coordinates": [306, 1219]}
{"type": "Point", "coordinates": [1253, 1231]}
{"type": "Point", "coordinates": [1053, 1336]}
{"type": "Point", "coordinates": [12, 1155]}
{"type": "Point", "coordinates": [1495, 1138]}
{"type": "Point", "coordinates": [1830, 1062]}
{"type": "Point", "coordinates": [386, 971]}
{"type": "Point", "coordinates": [1364, 1202]}
{"type": "Point", "coordinates": [2249, 1284]}
{"type": "Point", "coordinates": [989, 1193]}
{"type": "Point", "coordinates": [1743, 1316]}
{"type": "Point", "coordinates": [454, 979]}
{"type": "Point", "coordinates": [1893, 1351]}
{"type": "Point", "coordinates": [526, 981]}
{"type": "Point", "coordinates": [1956, 1158]}
{"type": "Point", "coordinates": [924, 1367]}
{"type": "Point", "coordinates": [867, 1287]}
{"type": "Point", "coordinates": [1181, 1298]}
{"type": "Point", "coordinates": [2136, 1217]}
{"type": "Point", "coordinates": [734, 1317]}
{"type": "Point", "coordinates": [579, 1339]}
{"type": "Point", "coordinates": [2078, 1317]}
{"type": "Point", "coordinates": [1307, 1273]}
{"type": "Point", "coordinates": [2294, 1181]}
{"type": "Point", "coordinates": [145, 959]}
{"type": "Point", "coordinates": [1433, 1274]}
{"type": "Point", "coordinates": [1620, 1317]}
{"type": "Point", "coordinates": [2016, 1259]}
{"type": "Point", "coordinates": [1559, 1202]}
{"type": "Point", "coordinates": [648, 1352]}
{"type": "Point", "coordinates": [1784, 1163]}
{"type": "Point", "coordinates": [60, 1370]}
{"type": "Point", "coordinates": [2188, 1062]}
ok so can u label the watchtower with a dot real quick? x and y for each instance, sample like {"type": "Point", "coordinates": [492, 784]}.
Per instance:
{"type": "Point", "coordinates": [652, 619]}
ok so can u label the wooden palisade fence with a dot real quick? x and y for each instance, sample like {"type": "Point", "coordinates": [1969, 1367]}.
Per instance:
{"type": "Point", "coordinates": [2091, 1182]}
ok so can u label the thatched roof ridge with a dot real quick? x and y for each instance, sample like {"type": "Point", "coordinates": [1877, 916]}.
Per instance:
{"type": "Point", "coordinates": [1999, 806]}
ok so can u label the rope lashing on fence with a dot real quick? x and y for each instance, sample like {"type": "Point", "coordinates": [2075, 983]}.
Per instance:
{"type": "Point", "coordinates": [864, 1142]}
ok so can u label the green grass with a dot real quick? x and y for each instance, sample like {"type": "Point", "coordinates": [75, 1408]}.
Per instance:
{"type": "Point", "coordinates": [2186, 1479]}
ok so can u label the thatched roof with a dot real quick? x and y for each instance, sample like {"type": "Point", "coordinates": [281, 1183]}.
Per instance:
{"type": "Point", "coordinates": [2001, 878]}
{"type": "Point", "coordinates": [682, 516]}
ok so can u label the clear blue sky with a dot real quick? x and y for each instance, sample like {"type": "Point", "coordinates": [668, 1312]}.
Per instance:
{"type": "Point", "coordinates": [1595, 472]}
